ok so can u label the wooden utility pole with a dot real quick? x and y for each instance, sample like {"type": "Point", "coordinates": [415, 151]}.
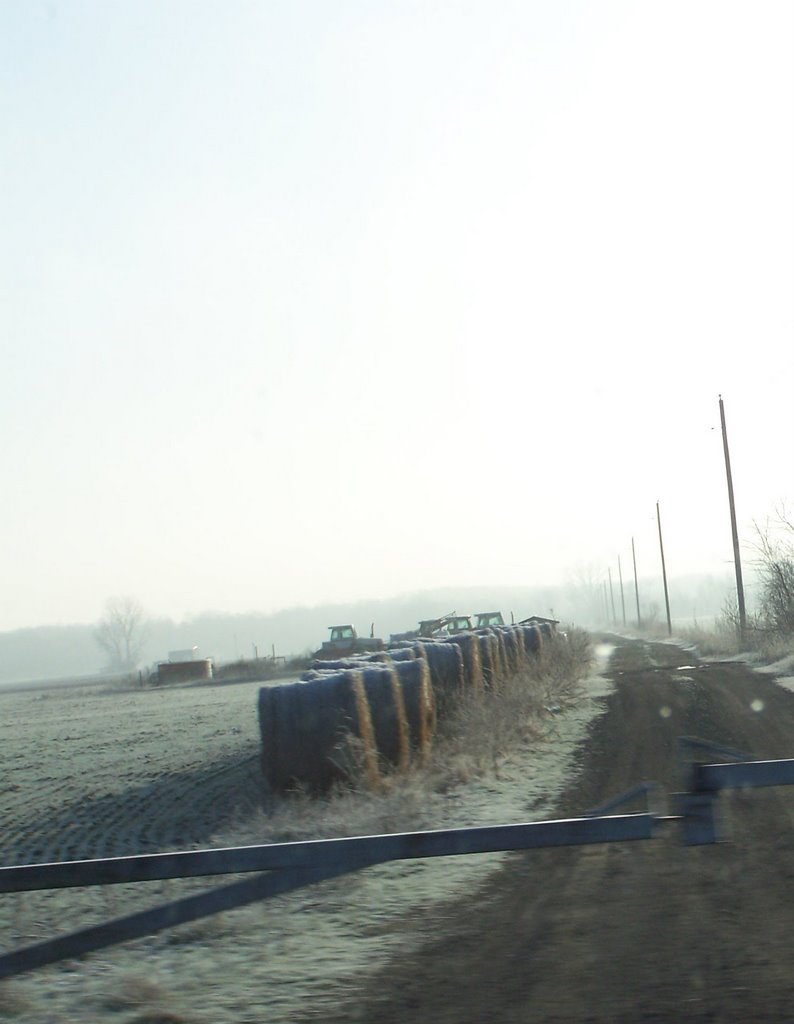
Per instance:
{"type": "Point", "coordinates": [612, 599]}
{"type": "Point", "coordinates": [737, 561]}
{"type": "Point", "coordinates": [622, 598]}
{"type": "Point", "coordinates": [664, 572]}
{"type": "Point", "coordinates": [636, 588]}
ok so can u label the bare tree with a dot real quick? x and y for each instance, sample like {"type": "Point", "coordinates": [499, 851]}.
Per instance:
{"type": "Point", "coordinates": [122, 632]}
{"type": "Point", "coordinates": [585, 592]}
{"type": "Point", "coordinates": [775, 569]}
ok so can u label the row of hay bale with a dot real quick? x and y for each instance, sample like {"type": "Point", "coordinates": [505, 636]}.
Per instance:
{"type": "Point", "coordinates": [378, 712]}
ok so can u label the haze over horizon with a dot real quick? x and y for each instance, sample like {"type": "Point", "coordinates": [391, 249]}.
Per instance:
{"type": "Point", "coordinates": [307, 303]}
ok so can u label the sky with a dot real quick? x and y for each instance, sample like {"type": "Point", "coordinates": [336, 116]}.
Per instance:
{"type": "Point", "coordinates": [326, 300]}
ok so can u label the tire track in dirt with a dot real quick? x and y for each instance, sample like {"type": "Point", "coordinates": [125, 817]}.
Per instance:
{"type": "Point", "coordinates": [626, 932]}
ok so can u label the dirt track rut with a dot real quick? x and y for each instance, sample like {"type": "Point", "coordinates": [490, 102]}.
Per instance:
{"type": "Point", "coordinates": [651, 931]}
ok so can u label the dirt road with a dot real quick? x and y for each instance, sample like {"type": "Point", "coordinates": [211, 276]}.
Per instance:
{"type": "Point", "coordinates": [651, 931]}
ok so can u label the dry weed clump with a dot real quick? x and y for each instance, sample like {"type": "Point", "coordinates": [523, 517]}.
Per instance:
{"type": "Point", "coordinates": [135, 991]}
{"type": "Point", "coordinates": [147, 1001]}
{"type": "Point", "coordinates": [477, 738]}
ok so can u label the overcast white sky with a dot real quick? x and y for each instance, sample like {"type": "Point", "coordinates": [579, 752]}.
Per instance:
{"type": "Point", "coordinates": [304, 301]}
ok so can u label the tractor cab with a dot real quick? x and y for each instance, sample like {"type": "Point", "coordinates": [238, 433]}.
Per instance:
{"type": "Point", "coordinates": [459, 624]}
{"type": "Point", "coordinates": [486, 620]}
{"type": "Point", "coordinates": [345, 641]}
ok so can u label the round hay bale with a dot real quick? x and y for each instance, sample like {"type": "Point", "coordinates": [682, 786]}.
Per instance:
{"type": "Point", "coordinates": [355, 661]}
{"type": "Point", "coordinates": [469, 646]}
{"type": "Point", "coordinates": [318, 673]}
{"type": "Point", "coordinates": [387, 713]}
{"type": "Point", "coordinates": [364, 728]}
{"type": "Point", "coordinates": [306, 728]}
{"type": "Point", "coordinates": [420, 708]}
{"type": "Point", "coordinates": [500, 659]}
{"type": "Point", "coordinates": [305, 718]}
{"type": "Point", "coordinates": [402, 653]}
{"type": "Point", "coordinates": [533, 639]}
{"type": "Point", "coordinates": [281, 761]}
{"type": "Point", "coordinates": [447, 677]}
{"type": "Point", "coordinates": [512, 656]}
{"type": "Point", "coordinates": [517, 633]}
{"type": "Point", "coordinates": [488, 660]}
{"type": "Point", "coordinates": [268, 730]}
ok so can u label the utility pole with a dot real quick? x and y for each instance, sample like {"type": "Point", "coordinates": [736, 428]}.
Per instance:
{"type": "Point", "coordinates": [664, 573]}
{"type": "Point", "coordinates": [622, 598]}
{"type": "Point", "coordinates": [636, 588]}
{"type": "Point", "coordinates": [612, 599]}
{"type": "Point", "coordinates": [736, 555]}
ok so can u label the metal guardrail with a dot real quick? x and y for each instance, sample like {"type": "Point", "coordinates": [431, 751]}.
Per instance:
{"type": "Point", "coordinates": [711, 778]}
{"type": "Point", "coordinates": [283, 867]}
{"type": "Point", "coordinates": [288, 866]}
{"type": "Point", "coordinates": [350, 854]}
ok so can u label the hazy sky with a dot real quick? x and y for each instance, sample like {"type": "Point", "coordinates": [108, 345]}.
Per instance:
{"type": "Point", "coordinates": [304, 301]}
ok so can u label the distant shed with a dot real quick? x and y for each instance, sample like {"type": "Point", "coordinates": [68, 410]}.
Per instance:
{"type": "Point", "coordinates": [538, 620]}
{"type": "Point", "coordinates": [184, 666]}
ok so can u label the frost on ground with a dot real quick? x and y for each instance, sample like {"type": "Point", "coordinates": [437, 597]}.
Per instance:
{"type": "Point", "coordinates": [783, 670]}
{"type": "Point", "coordinates": [302, 954]}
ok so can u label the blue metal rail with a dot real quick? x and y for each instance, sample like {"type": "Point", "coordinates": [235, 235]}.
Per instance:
{"type": "Point", "coordinates": [281, 868]}
{"type": "Point", "coordinates": [349, 853]}
{"type": "Point", "coordinates": [711, 778]}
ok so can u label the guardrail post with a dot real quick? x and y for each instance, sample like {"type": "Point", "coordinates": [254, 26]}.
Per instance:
{"type": "Point", "coordinates": [700, 824]}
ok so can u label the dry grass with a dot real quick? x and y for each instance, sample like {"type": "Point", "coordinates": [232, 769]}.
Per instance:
{"type": "Point", "coordinates": [776, 648]}
{"type": "Point", "coordinates": [722, 641]}
{"type": "Point", "coordinates": [476, 741]}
